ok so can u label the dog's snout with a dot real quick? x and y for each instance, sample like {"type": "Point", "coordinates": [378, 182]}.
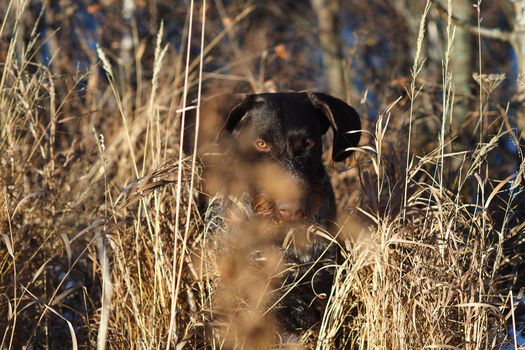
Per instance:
{"type": "Point", "coordinates": [289, 211]}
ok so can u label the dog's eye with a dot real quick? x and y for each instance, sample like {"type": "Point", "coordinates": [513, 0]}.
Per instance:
{"type": "Point", "coordinates": [309, 143]}
{"type": "Point", "coordinates": [262, 146]}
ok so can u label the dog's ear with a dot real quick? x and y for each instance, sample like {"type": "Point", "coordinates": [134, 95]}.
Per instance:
{"type": "Point", "coordinates": [236, 108]}
{"type": "Point", "coordinates": [219, 115]}
{"type": "Point", "coordinates": [344, 121]}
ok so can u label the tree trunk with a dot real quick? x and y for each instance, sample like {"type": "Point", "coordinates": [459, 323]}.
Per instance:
{"type": "Point", "coordinates": [327, 12]}
{"type": "Point", "coordinates": [518, 43]}
{"type": "Point", "coordinates": [461, 61]}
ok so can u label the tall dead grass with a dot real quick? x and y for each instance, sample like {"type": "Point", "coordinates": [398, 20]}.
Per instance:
{"type": "Point", "coordinates": [103, 244]}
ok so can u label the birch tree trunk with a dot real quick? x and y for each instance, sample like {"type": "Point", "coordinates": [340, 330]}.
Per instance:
{"type": "Point", "coordinates": [461, 61]}
{"type": "Point", "coordinates": [518, 43]}
{"type": "Point", "coordinates": [327, 12]}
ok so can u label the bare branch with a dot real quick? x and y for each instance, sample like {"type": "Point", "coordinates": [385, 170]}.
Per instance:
{"type": "Point", "coordinates": [492, 33]}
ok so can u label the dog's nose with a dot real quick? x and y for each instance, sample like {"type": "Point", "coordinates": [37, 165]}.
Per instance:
{"type": "Point", "coordinates": [289, 211]}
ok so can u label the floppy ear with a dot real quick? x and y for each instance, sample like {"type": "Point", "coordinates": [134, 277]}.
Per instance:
{"type": "Point", "coordinates": [218, 116]}
{"type": "Point", "coordinates": [344, 121]}
{"type": "Point", "coordinates": [239, 104]}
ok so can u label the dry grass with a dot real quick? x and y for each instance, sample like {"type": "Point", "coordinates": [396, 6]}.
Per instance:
{"type": "Point", "coordinates": [103, 245]}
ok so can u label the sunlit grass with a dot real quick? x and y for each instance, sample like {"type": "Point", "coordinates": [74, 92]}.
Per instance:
{"type": "Point", "coordinates": [103, 246]}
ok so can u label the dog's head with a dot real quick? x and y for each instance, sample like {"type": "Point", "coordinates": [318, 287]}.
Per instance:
{"type": "Point", "coordinates": [274, 144]}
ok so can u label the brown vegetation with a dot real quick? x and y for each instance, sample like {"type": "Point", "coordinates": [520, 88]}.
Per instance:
{"type": "Point", "coordinates": [103, 243]}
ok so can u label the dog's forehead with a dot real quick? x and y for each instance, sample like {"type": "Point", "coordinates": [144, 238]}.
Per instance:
{"type": "Point", "coordinates": [286, 113]}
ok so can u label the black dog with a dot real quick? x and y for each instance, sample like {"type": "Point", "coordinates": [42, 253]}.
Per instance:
{"type": "Point", "coordinates": [269, 149]}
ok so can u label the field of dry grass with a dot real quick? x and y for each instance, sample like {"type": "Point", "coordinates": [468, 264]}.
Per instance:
{"type": "Point", "coordinates": [102, 243]}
